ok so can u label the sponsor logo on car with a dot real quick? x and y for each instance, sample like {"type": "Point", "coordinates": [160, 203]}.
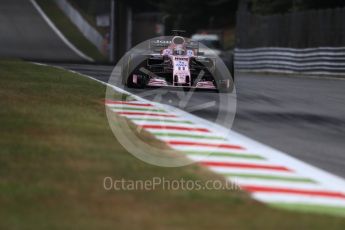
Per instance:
{"type": "Point", "coordinates": [181, 59]}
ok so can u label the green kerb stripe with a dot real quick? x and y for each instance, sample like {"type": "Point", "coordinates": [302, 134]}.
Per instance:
{"type": "Point", "coordinates": [139, 109]}
{"type": "Point", "coordinates": [161, 120]}
{"type": "Point", "coordinates": [311, 208]}
{"type": "Point", "coordinates": [189, 136]}
{"type": "Point", "coordinates": [221, 154]}
{"type": "Point", "coordinates": [269, 177]}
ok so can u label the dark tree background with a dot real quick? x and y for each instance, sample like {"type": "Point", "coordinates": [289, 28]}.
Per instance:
{"type": "Point", "coordinates": [189, 15]}
{"type": "Point", "coordinates": [209, 12]}
{"type": "Point", "coordinates": [193, 15]}
{"type": "Point", "coordinates": [285, 6]}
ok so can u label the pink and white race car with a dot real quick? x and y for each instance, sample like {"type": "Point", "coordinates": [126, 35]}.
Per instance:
{"type": "Point", "coordinates": [175, 62]}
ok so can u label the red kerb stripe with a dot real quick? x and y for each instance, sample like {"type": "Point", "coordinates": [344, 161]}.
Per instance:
{"type": "Point", "coordinates": [168, 127]}
{"type": "Point", "coordinates": [224, 146]}
{"type": "Point", "coordinates": [145, 114]}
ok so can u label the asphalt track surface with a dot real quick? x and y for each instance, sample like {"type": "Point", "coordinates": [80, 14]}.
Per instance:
{"type": "Point", "coordinates": [302, 116]}
{"type": "Point", "coordinates": [25, 34]}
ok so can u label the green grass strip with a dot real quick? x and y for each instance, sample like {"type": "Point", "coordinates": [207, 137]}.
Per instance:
{"type": "Point", "coordinates": [220, 154]}
{"type": "Point", "coordinates": [189, 136]}
{"type": "Point", "coordinates": [325, 209]}
{"type": "Point", "coordinates": [270, 177]}
{"type": "Point", "coordinates": [139, 109]}
{"type": "Point", "coordinates": [162, 120]}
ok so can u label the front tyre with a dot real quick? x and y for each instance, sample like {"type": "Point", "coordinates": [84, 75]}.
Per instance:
{"type": "Point", "coordinates": [224, 79]}
{"type": "Point", "coordinates": [226, 86]}
{"type": "Point", "coordinates": [132, 77]}
{"type": "Point", "coordinates": [137, 80]}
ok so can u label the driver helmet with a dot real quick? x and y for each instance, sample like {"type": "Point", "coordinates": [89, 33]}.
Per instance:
{"type": "Point", "coordinates": [179, 50]}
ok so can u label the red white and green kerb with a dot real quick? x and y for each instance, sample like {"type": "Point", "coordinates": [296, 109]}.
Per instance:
{"type": "Point", "coordinates": [268, 175]}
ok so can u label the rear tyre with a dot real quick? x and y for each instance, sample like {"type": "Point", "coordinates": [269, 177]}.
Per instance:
{"type": "Point", "coordinates": [228, 59]}
{"type": "Point", "coordinates": [232, 66]}
{"type": "Point", "coordinates": [226, 87]}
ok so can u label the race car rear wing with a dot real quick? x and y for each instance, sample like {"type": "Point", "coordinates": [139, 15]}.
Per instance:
{"type": "Point", "coordinates": [157, 45]}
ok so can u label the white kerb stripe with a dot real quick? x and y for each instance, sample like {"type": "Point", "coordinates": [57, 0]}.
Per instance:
{"type": "Point", "coordinates": [59, 34]}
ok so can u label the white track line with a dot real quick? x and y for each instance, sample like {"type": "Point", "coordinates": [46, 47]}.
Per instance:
{"type": "Point", "coordinates": [288, 198]}
{"type": "Point", "coordinates": [58, 32]}
{"type": "Point", "coordinates": [278, 184]}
